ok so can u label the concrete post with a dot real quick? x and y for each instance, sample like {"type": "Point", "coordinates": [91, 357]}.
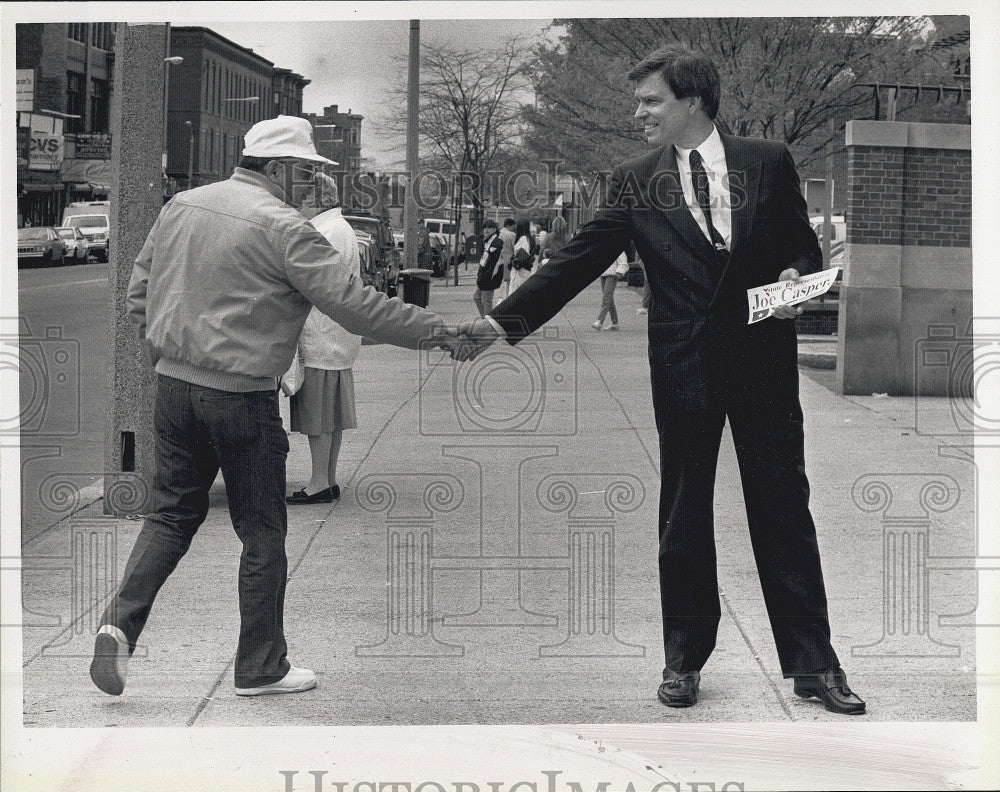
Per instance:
{"type": "Point", "coordinates": [136, 199]}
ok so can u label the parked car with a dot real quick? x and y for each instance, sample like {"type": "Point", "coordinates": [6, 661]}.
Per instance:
{"type": "Point", "coordinates": [442, 256]}
{"type": "Point", "coordinates": [371, 273]}
{"type": "Point", "coordinates": [77, 245]}
{"type": "Point", "coordinates": [387, 255]}
{"type": "Point", "coordinates": [93, 220]}
{"type": "Point", "coordinates": [39, 245]}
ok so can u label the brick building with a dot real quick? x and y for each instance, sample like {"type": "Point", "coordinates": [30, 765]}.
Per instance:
{"type": "Point", "coordinates": [219, 91]}
{"type": "Point", "coordinates": [338, 137]}
{"type": "Point", "coordinates": [64, 81]}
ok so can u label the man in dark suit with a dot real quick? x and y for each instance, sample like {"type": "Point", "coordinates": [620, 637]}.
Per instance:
{"type": "Point", "coordinates": [711, 215]}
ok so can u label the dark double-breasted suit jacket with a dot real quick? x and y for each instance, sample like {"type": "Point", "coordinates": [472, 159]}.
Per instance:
{"type": "Point", "coordinates": [701, 350]}
{"type": "Point", "coordinates": [707, 364]}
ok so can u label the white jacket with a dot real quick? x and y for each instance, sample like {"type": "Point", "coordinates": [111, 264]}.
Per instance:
{"type": "Point", "coordinates": [324, 344]}
{"type": "Point", "coordinates": [619, 267]}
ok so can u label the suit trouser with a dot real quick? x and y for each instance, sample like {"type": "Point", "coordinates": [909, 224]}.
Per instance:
{"type": "Point", "coordinates": [769, 448]}
{"type": "Point", "coordinates": [199, 431]}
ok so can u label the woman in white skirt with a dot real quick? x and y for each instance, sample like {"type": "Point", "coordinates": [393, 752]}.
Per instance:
{"type": "Point", "coordinates": [324, 406]}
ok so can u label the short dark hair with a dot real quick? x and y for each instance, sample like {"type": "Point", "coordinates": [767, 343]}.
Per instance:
{"type": "Point", "coordinates": [688, 72]}
{"type": "Point", "coordinates": [256, 164]}
{"type": "Point", "coordinates": [510, 222]}
{"type": "Point", "coordinates": [490, 224]}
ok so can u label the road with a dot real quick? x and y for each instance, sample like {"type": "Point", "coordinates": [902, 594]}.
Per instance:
{"type": "Point", "coordinates": [64, 386]}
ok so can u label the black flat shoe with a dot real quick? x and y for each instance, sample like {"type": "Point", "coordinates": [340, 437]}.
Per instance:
{"type": "Point", "coordinates": [322, 496]}
{"type": "Point", "coordinates": [831, 688]}
{"type": "Point", "coordinates": [679, 690]}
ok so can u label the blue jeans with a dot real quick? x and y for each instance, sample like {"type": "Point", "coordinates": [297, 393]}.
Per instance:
{"type": "Point", "coordinates": [608, 284]}
{"type": "Point", "coordinates": [199, 431]}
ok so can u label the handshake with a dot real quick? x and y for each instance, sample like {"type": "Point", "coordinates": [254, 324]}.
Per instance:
{"type": "Point", "coordinates": [467, 340]}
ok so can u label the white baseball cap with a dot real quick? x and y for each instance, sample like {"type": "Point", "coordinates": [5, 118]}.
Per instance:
{"type": "Point", "coordinates": [284, 136]}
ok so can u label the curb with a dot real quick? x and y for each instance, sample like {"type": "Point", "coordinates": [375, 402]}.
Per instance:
{"type": "Point", "coordinates": [818, 360]}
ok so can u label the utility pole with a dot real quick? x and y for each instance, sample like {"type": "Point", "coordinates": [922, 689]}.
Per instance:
{"type": "Point", "coordinates": [138, 148]}
{"type": "Point", "coordinates": [410, 220]}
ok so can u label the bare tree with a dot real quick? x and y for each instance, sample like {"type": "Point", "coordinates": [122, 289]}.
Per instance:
{"type": "Point", "coordinates": [470, 115]}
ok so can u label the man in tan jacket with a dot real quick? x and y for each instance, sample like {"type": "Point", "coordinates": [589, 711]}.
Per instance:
{"type": "Point", "coordinates": [219, 294]}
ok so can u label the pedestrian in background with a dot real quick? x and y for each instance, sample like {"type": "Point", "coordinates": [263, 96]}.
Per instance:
{"type": "Point", "coordinates": [525, 255]}
{"type": "Point", "coordinates": [324, 405]}
{"type": "Point", "coordinates": [609, 281]}
{"type": "Point", "coordinates": [490, 273]}
{"type": "Point", "coordinates": [643, 308]}
{"type": "Point", "coordinates": [556, 238]}
{"type": "Point", "coordinates": [508, 237]}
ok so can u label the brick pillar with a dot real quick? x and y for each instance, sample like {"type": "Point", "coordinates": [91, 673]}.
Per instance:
{"type": "Point", "coordinates": [908, 257]}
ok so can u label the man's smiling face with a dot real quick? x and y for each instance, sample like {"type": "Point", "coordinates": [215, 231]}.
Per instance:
{"type": "Point", "coordinates": [663, 116]}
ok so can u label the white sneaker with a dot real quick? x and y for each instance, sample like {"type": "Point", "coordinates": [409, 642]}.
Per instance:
{"type": "Point", "coordinates": [109, 667]}
{"type": "Point", "coordinates": [295, 681]}
{"type": "Point", "coordinates": [596, 325]}
{"type": "Point", "coordinates": [613, 327]}
{"type": "Point", "coordinates": [641, 311]}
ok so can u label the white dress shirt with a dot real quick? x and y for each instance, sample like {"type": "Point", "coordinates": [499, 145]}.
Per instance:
{"type": "Point", "coordinates": [713, 157]}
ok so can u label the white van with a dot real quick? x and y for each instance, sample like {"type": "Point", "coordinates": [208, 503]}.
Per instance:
{"type": "Point", "coordinates": [93, 218]}
{"type": "Point", "coordinates": [438, 225]}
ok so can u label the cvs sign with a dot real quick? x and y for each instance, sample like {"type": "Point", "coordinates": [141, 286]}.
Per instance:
{"type": "Point", "coordinates": [45, 151]}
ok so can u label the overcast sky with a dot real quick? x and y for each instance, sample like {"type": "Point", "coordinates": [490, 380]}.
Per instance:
{"type": "Point", "coordinates": [356, 64]}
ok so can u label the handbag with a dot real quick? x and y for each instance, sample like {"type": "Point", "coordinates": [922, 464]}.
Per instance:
{"type": "Point", "coordinates": [635, 276]}
{"type": "Point", "coordinates": [291, 380]}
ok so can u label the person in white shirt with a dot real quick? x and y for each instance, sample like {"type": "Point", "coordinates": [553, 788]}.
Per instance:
{"type": "Point", "coordinates": [525, 256]}
{"type": "Point", "coordinates": [324, 405]}
{"type": "Point", "coordinates": [711, 215]}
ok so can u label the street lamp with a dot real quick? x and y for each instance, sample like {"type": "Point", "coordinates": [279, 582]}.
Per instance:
{"type": "Point", "coordinates": [168, 61]}
{"type": "Point", "coordinates": [190, 127]}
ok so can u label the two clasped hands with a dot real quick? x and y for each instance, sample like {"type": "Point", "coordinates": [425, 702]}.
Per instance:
{"type": "Point", "coordinates": [467, 340]}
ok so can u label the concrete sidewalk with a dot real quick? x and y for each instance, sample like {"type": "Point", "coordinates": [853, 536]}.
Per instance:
{"type": "Point", "coordinates": [493, 559]}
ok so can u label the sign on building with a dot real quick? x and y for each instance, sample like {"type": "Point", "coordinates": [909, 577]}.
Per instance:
{"type": "Point", "coordinates": [45, 151]}
{"type": "Point", "coordinates": [25, 90]}
{"type": "Point", "coordinates": [93, 146]}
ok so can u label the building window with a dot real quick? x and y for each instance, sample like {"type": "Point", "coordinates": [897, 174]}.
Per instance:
{"type": "Point", "coordinates": [103, 36]}
{"type": "Point", "coordinates": [225, 153]}
{"type": "Point", "coordinates": [99, 106]}
{"type": "Point", "coordinates": [77, 32]}
{"type": "Point", "coordinates": [76, 101]}
{"type": "Point", "coordinates": [204, 85]}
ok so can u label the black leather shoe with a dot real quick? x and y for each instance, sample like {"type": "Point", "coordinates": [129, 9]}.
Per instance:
{"type": "Point", "coordinates": [322, 496]}
{"type": "Point", "coordinates": [679, 690]}
{"type": "Point", "coordinates": [831, 688]}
